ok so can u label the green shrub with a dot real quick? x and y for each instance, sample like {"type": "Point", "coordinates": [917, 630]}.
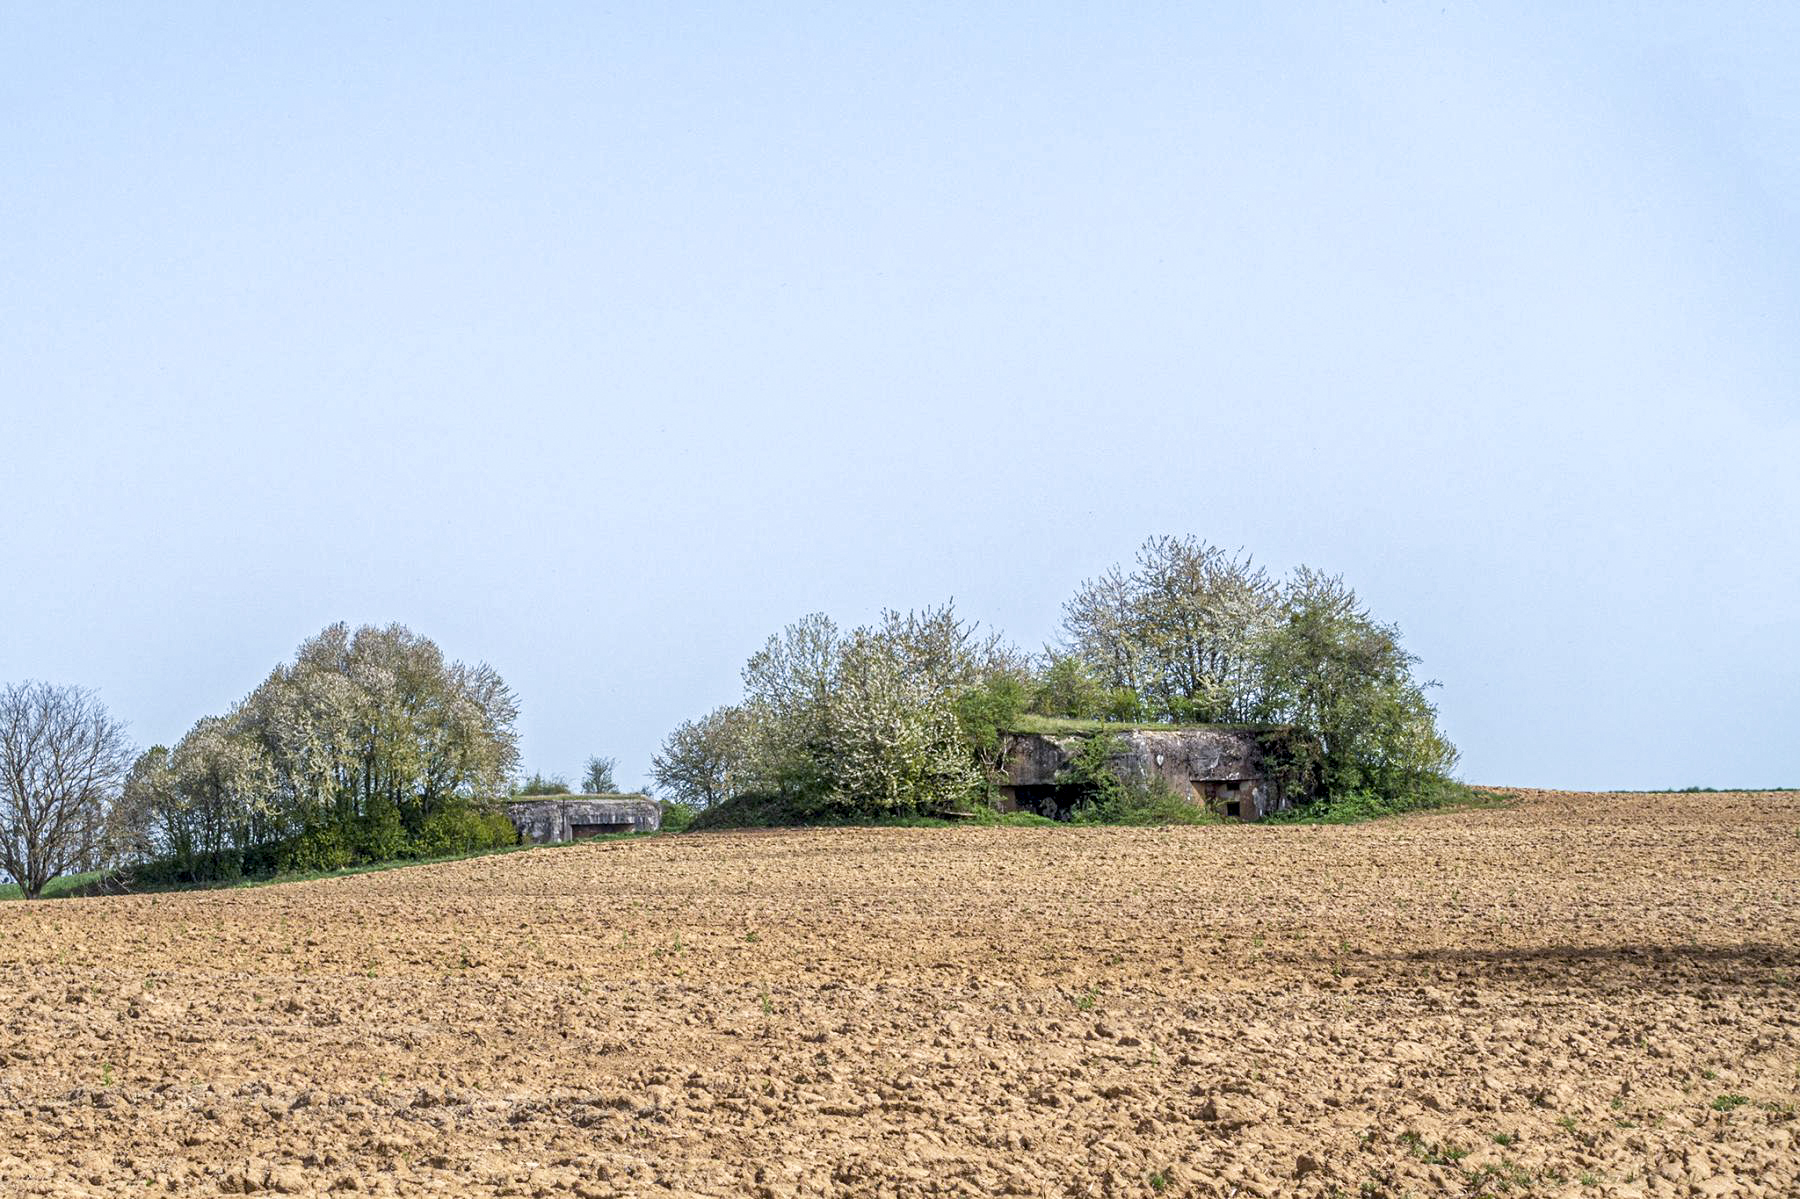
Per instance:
{"type": "Point", "coordinates": [1348, 807]}
{"type": "Point", "coordinates": [541, 784]}
{"type": "Point", "coordinates": [176, 871]}
{"type": "Point", "coordinates": [317, 849]}
{"type": "Point", "coordinates": [1068, 688]}
{"type": "Point", "coordinates": [380, 836]}
{"type": "Point", "coordinates": [1152, 801]}
{"type": "Point", "coordinates": [1109, 799]}
{"type": "Point", "coordinates": [676, 817]}
{"type": "Point", "coordinates": [464, 829]}
{"type": "Point", "coordinates": [986, 711]}
{"type": "Point", "coordinates": [1091, 769]}
{"type": "Point", "coordinates": [1122, 705]}
{"type": "Point", "coordinates": [760, 810]}
{"type": "Point", "coordinates": [991, 817]}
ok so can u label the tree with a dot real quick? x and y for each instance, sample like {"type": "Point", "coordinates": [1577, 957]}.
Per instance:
{"type": "Point", "coordinates": [1333, 672]}
{"type": "Point", "coordinates": [938, 648]}
{"type": "Point", "coordinates": [1180, 630]}
{"type": "Point", "coordinates": [63, 761]}
{"type": "Point", "coordinates": [599, 778]}
{"type": "Point", "coordinates": [1067, 686]}
{"type": "Point", "coordinates": [139, 825]}
{"type": "Point", "coordinates": [375, 722]}
{"type": "Point", "coordinates": [1101, 627]}
{"type": "Point", "coordinates": [894, 745]}
{"type": "Point", "coordinates": [1193, 632]}
{"type": "Point", "coordinates": [786, 713]}
{"type": "Point", "coordinates": [367, 746]}
{"type": "Point", "coordinates": [702, 762]}
{"type": "Point", "coordinates": [885, 718]}
{"type": "Point", "coordinates": [224, 787]}
{"type": "Point", "coordinates": [986, 713]}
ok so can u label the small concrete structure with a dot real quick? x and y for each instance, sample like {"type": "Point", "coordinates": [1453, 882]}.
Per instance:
{"type": "Point", "coordinates": [1221, 769]}
{"type": "Point", "coordinates": [548, 818]}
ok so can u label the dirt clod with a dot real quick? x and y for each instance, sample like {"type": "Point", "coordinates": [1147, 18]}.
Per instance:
{"type": "Point", "coordinates": [1580, 994]}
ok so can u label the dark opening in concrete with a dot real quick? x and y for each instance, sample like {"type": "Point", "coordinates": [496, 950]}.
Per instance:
{"type": "Point", "coordinates": [1055, 800]}
{"type": "Point", "coordinates": [580, 832]}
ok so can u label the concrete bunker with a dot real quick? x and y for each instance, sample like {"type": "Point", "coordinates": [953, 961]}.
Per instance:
{"type": "Point", "coordinates": [1228, 771]}
{"type": "Point", "coordinates": [553, 818]}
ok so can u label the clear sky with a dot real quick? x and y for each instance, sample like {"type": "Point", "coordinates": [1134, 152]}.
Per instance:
{"type": "Point", "coordinates": [598, 342]}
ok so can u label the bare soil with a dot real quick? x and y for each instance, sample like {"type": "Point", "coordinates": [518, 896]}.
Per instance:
{"type": "Point", "coordinates": [1581, 994]}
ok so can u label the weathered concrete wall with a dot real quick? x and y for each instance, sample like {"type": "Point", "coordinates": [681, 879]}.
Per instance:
{"type": "Point", "coordinates": [1201, 764]}
{"type": "Point", "coordinates": [560, 817]}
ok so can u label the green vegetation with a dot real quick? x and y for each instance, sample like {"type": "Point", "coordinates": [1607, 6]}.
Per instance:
{"type": "Point", "coordinates": [542, 784]}
{"type": "Point", "coordinates": [598, 778]}
{"type": "Point", "coordinates": [1362, 805]}
{"type": "Point", "coordinates": [774, 811]}
{"type": "Point", "coordinates": [1109, 799]}
{"type": "Point", "coordinates": [445, 835]}
{"type": "Point", "coordinates": [369, 747]}
{"type": "Point", "coordinates": [906, 718]}
{"type": "Point", "coordinates": [845, 725]}
{"type": "Point", "coordinates": [1433, 1153]}
{"type": "Point", "coordinates": [98, 882]}
{"type": "Point", "coordinates": [60, 888]}
{"type": "Point", "coordinates": [1504, 1177]}
{"type": "Point", "coordinates": [1056, 726]}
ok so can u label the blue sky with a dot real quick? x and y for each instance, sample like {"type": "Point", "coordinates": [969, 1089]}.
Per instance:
{"type": "Point", "coordinates": [600, 343]}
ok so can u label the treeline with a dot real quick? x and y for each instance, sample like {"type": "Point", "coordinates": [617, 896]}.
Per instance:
{"type": "Point", "coordinates": [369, 746]}
{"type": "Point", "coordinates": [903, 716]}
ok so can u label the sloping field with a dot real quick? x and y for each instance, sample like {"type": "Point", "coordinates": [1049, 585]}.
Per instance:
{"type": "Point", "coordinates": [1585, 995]}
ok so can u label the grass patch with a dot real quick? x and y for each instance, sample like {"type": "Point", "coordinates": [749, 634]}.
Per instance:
{"type": "Point", "coordinates": [57, 888]}
{"type": "Point", "coordinates": [1359, 806]}
{"type": "Point", "coordinates": [765, 811]}
{"type": "Point", "coordinates": [80, 886]}
{"type": "Point", "coordinates": [1110, 802]}
{"type": "Point", "coordinates": [1696, 791]}
{"type": "Point", "coordinates": [1433, 1153]}
{"type": "Point", "coordinates": [1505, 1177]}
{"type": "Point", "coordinates": [1056, 725]}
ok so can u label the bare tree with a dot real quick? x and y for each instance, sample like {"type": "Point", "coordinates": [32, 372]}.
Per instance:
{"type": "Point", "coordinates": [63, 760]}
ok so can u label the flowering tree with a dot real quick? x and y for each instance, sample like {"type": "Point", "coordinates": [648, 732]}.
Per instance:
{"type": "Point", "coordinates": [893, 744]}
{"type": "Point", "coordinates": [368, 743]}
{"type": "Point", "coordinates": [1181, 629]}
{"type": "Point", "coordinates": [863, 722]}
{"type": "Point", "coordinates": [702, 761]}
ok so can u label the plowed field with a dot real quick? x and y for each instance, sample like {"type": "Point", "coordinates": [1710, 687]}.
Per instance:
{"type": "Point", "coordinates": [1580, 994]}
